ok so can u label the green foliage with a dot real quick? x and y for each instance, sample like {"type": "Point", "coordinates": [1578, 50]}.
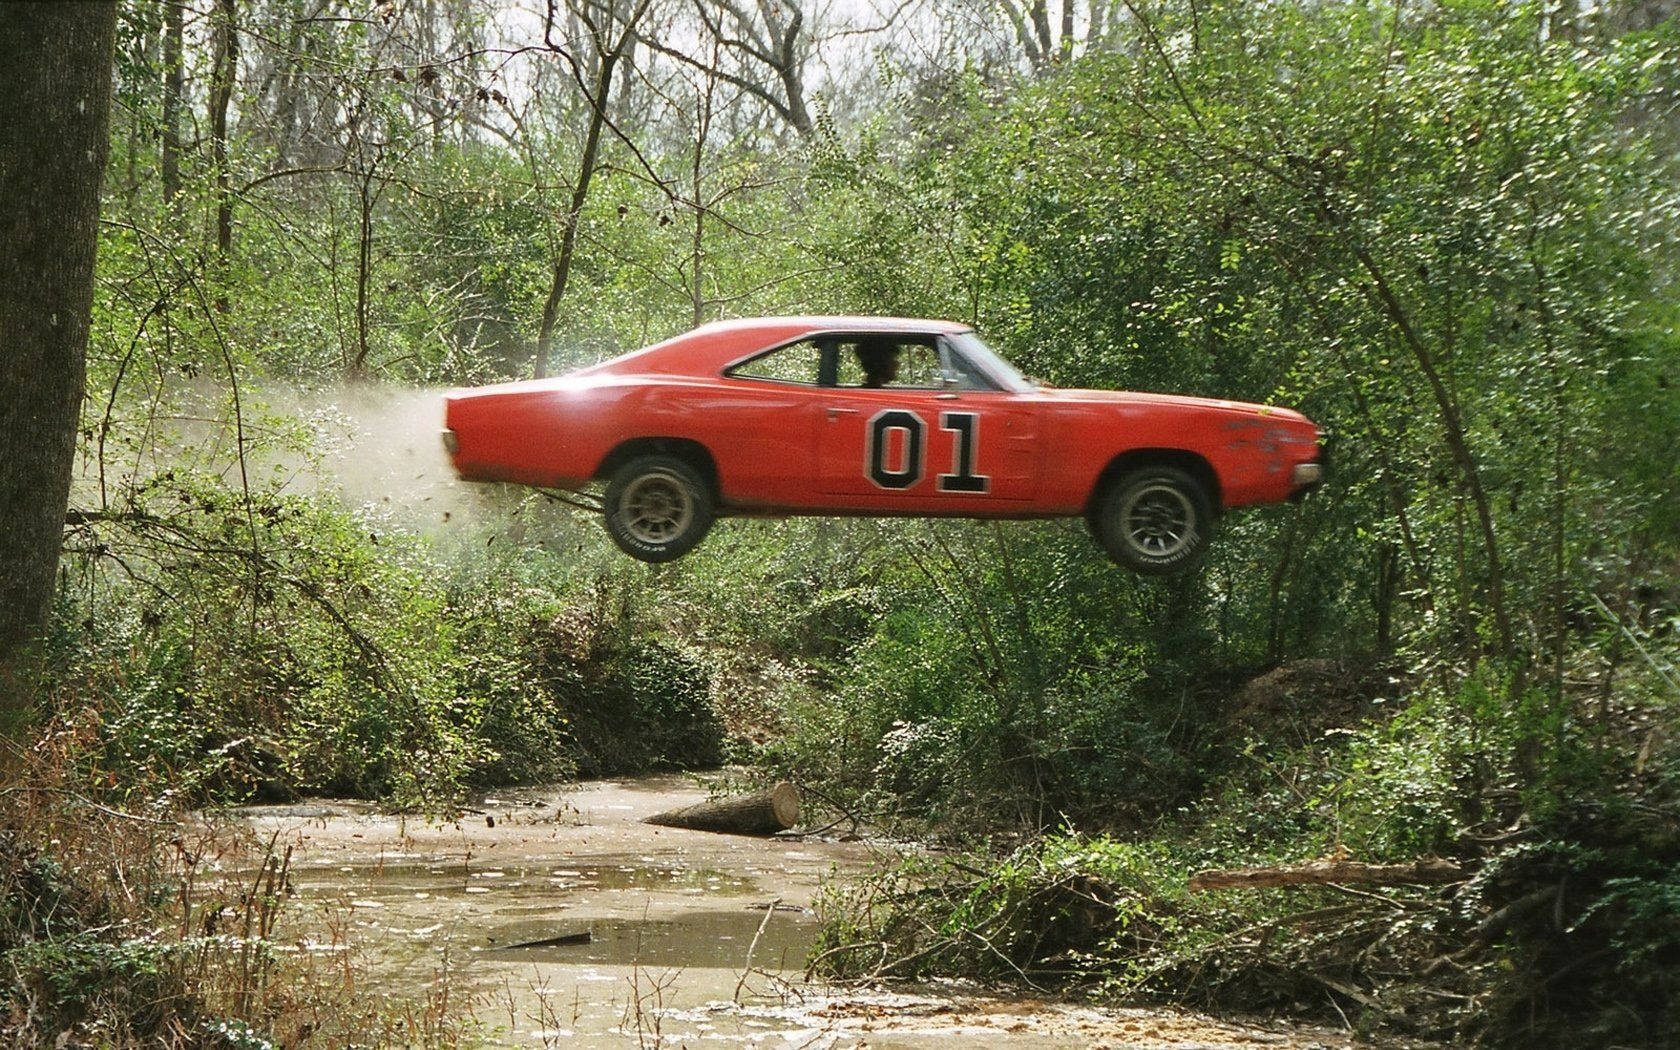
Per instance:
{"type": "Point", "coordinates": [1440, 237]}
{"type": "Point", "coordinates": [1565, 886]}
{"type": "Point", "coordinates": [70, 979]}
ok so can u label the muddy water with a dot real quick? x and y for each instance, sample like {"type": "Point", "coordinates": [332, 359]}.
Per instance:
{"type": "Point", "coordinates": [568, 922]}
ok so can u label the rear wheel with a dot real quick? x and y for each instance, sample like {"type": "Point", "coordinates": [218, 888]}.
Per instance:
{"type": "Point", "coordinates": [1154, 521]}
{"type": "Point", "coordinates": [658, 508]}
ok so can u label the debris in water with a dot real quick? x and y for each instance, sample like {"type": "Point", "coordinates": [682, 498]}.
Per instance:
{"type": "Point", "coordinates": [550, 942]}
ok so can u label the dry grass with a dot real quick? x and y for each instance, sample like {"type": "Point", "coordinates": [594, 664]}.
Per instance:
{"type": "Point", "coordinates": [126, 921]}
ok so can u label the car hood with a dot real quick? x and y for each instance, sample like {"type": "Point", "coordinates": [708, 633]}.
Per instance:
{"type": "Point", "coordinates": [1127, 397]}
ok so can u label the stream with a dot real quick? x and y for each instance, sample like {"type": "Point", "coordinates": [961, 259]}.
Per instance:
{"type": "Point", "coordinates": [570, 923]}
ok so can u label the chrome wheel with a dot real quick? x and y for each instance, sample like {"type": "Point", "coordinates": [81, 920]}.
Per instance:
{"type": "Point", "coordinates": [1155, 520]}
{"type": "Point", "coordinates": [657, 508]}
{"type": "Point", "coordinates": [1158, 520]}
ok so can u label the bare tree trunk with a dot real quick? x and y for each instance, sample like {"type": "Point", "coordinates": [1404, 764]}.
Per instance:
{"type": "Point", "coordinates": [1040, 15]}
{"type": "Point", "coordinates": [1425, 872]}
{"type": "Point", "coordinates": [364, 263]}
{"type": "Point", "coordinates": [697, 262]}
{"type": "Point", "coordinates": [1457, 442]}
{"type": "Point", "coordinates": [172, 84]}
{"type": "Point", "coordinates": [149, 40]}
{"type": "Point", "coordinates": [1388, 585]}
{"type": "Point", "coordinates": [1274, 604]}
{"type": "Point", "coordinates": [574, 212]}
{"type": "Point", "coordinates": [55, 92]}
{"type": "Point", "coordinates": [789, 69]}
{"type": "Point", "coordinates": [767, 54]}
{"type": "Point", "coordinates": [697, 191]}
{"type": "Point", "coordinates": [225, 65]}
{"type": "Point", "coordinates": [599, 96]}
{"type": "Point", "coordinates": [1024, 35]}
{"type": "Point", "coordinates": [290, 86]}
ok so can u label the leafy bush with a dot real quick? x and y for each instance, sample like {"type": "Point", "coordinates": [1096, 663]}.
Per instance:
{"type": "Point", "coordinates": [301, 647]}
{"type": "Point", "coordinates": [629, 704]}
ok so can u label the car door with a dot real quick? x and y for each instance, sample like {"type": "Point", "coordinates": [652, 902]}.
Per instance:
{"type": "Point", "coordinates": [931, 438]}
{"type": "Point", "coordinates": [759, 426]}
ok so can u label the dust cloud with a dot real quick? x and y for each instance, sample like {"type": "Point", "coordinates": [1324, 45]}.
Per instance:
{"type": "Point", "coordinates": [374, 448]}
{"type": "Point", "coordinates": [377, 447]}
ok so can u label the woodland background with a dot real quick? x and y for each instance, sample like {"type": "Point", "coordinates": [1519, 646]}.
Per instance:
{"type": "Point", "coordinates": [1445, 231]}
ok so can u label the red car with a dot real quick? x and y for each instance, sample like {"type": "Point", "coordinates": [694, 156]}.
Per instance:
{"type": "Point", "coordinates": [875, 416]}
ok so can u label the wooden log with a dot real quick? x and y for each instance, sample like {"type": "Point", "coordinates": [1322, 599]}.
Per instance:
{"type": "Point", "coordinates": [758, 813]}
{"type": "Point", "coordinates": [1318, 872]}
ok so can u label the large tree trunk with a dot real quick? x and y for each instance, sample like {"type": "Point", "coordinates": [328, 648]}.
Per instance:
{"type": "Point", "coordinates": [760, 813]}
{"type": "Point", "coordinates": [55, 91]}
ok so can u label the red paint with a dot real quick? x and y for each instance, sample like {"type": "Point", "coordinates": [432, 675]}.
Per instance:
{"type": "Point", "coordinates": [805, 449]}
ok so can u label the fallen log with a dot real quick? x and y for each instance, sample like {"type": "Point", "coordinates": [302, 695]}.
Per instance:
{"type": "Point", "coordinates": [1318, 872]}
{"type": "Point", "coordinates": [758, 813]}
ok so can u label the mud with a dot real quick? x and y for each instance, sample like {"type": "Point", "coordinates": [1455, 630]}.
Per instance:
{"type": "Point", "coordinates": [656, 936]}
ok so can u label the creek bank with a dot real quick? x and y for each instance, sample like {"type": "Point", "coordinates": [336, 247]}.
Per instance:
{"type": "Point", "coordinates": [691, 935]}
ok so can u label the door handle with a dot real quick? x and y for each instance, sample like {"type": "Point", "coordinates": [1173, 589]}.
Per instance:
{"type": "Point", "coordinates": [836, 413]}
{"type": "Point", "coordinates": [945, 397]}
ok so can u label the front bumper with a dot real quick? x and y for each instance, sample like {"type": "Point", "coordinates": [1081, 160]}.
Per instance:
{"type": "Point", "coordinates": [1308, 476]}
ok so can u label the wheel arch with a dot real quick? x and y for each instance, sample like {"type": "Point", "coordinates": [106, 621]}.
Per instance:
{"type": "Point", "coordinates": [690, 451]}
{"type": "Point", "coordinates": [1192, 463]}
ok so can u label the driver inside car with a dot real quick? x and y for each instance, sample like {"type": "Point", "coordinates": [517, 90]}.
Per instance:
{"type": "Point", "coordinates": [879, 361]}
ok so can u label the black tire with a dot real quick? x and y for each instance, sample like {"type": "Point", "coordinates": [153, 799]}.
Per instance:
{"type": "Point", "coordinates": [658, 508]}
{"type": "Point", "coordinates": [1155, 521]}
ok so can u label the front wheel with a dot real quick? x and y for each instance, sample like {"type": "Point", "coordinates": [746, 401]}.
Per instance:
{"type": "Point", "coordinates": [658, 508]}
{"type": "Point", "coordinates": [1154, 521]}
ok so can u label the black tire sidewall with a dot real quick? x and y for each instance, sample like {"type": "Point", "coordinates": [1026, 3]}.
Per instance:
{"type": "Point", "coordinates": [699, 494]}
{"type": "Point", "coordinates": [1112, 536]}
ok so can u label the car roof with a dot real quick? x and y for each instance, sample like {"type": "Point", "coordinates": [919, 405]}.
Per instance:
{"type": "Point", "coordinates": [836, 323]}
{"type": "Point", "coordinates": [707, 349]}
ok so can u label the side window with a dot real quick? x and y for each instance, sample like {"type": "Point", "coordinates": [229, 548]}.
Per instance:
{"type": "Point", "coordinates": [799, 363]}
{"type": "Point", "coordinates": [888, 361]}
{"type": "Point", "coordinates": [967, 375]}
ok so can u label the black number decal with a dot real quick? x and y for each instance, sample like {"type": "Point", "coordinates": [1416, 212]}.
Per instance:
{"type": "Point", "coordinates": [965, 450]}
{"type": "Point", "coordinates": [966, 425]}
{"type": "Point", "coordinates": [915, 433]}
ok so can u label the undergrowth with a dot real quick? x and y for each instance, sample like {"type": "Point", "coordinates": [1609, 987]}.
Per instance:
{"type": "Point", "coordinates": [1563, 930]}
{"type": "Point", "coordinates": [289, 646]}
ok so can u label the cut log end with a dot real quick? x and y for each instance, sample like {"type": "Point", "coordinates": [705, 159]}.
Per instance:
{"type": "Point", "coordinates": [757, 813]}
{"type": "Point", "coordinates": [784, 803]}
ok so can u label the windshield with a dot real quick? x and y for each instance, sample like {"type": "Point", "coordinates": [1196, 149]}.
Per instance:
{"type": "Point", "coordinates": [975, 350]}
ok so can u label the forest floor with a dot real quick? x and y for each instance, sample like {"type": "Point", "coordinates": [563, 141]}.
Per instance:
{"type": "Point", "coordinates": [692, 937]}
